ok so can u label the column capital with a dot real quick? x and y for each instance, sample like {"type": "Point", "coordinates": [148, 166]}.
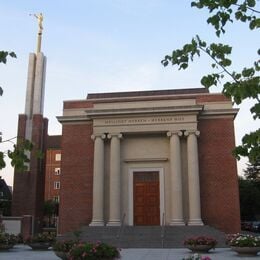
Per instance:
{"type": "Point", "coordinates": [171, 133]}
{"type": "Point", "coordinates": [94, 136]}
{"type": "Point", "coordinates": [190, 132]}
{"type": "Point", "coordinates": [118, 135]}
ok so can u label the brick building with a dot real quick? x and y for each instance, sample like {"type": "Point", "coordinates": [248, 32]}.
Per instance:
{"type": "Point", "coordinates": [149, 155]}
{"type": "Point", "coordinates": [152, 156]}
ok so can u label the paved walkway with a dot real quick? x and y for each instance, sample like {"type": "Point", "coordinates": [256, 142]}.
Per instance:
{"type": "Point", "coordinates": [22, 252]}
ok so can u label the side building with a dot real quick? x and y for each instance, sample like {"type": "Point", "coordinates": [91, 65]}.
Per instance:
{"type": "Point", "coordinates": [53, 168]}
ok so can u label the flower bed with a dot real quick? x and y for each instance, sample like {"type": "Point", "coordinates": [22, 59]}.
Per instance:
{"type": "Point", "coordinates": [197, 257]}
{"type": "Point", "coordinates": [244, 244]}
{"type": "Point", "coordinates": [93, 251]}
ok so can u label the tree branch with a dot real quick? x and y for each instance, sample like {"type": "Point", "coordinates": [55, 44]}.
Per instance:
{"type": "Point", "coordinates": [250, 8]}
{"type": "Point", "coordinates": [224, 69]}
{"type": "Point", "coordinates": [9, 140]}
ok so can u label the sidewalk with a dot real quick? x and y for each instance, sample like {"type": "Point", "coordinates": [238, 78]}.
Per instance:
{"type": "Point", "coordinates": [22, 252]}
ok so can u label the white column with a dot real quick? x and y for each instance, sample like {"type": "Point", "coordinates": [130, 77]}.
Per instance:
{"type": "Point", "coordinates": [193, 179]}
{"type": "Point", "coordinates": [98, 181]}
{"type": "Point", "coordinates": [176, 179]}
{"type": "Point", "coordinates": [114, 196]}
{"type": "Point", "coordinates": [30, 86]}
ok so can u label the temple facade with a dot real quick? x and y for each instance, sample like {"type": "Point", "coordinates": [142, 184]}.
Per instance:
{"type": "Point", "coordinates": [149, 158]}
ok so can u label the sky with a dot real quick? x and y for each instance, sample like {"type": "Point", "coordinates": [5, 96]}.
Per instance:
{"type": "Point", "coordinates": [95, 46]}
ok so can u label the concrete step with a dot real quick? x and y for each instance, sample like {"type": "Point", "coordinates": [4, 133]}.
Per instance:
{"type": "Point", "coordinates": [147, 236]}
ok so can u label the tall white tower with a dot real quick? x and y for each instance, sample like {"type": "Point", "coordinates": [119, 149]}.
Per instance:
{"type": "Point", "coordinates": [34, 102]}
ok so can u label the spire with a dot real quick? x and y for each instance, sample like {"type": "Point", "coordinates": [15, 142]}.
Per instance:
{"type": "Point", "coordinates": [34, 102]}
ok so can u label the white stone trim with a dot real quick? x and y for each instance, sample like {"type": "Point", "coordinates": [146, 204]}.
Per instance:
{"type": "Point", "coordinates": [131, 187]}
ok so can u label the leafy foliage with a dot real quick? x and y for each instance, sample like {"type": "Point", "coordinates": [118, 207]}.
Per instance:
{"type": "Point", "coordinates": [224, 11]}
{"type": "Point", "coordinates": [64, 245]}
{"type": "Point", "coordinates": [239, 85]}
{"type": "Point", "coordinates": [3, 59]}
{"type": "Point", "coordinates": [18, 155]}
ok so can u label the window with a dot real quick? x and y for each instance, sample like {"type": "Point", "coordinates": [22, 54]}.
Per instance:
{"type": "Point", "coordinates": [56, 185]}
{"type": "Point", "coordinates": [56, 198]}
{"type": "Point", "coordinates": [1, 194]}
{"type": "Point", "coordinates": [57, 157]}
{"type": "Point", "coordinates": [57, 171]}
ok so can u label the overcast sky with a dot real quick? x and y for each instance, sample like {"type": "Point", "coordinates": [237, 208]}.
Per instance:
{"type": "Point", "coordinates": [105, 46]}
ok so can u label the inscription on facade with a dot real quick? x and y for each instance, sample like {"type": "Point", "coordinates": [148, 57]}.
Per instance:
{"type": "Point", "coordinates": [151, 120]}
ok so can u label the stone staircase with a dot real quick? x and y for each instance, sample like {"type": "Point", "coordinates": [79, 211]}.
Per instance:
{"type": "Point", "coordinates": [146, 236]}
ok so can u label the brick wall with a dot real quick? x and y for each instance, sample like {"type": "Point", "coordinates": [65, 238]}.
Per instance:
{"type": "Point", "coordinates": [28, 194]}
{"type": "Point", "coordinates": [52, 174]}
{"type": "Point", "coordinates": [76, 177]}
{"type": "Point", "coordinates": [218, 175]}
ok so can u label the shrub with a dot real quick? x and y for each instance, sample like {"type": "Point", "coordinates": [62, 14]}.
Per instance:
{"type": "Point", "coordinates": [63, 245]}
{"type": "Point", "coordinates": [7, 239]}
{"type": "Point", "coordinates": [41, 238]}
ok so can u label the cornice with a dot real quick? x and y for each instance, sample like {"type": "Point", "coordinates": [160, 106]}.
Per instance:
{"type": "Point", "coordinates": [68, 119]}
{"type": "Point", "coordinates": [95, 113]}
{"type": "Point", "coordinates": [219, 112]}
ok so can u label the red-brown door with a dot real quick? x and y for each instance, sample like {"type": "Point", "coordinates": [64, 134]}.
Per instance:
{"type": "Point", "coordinates": [146, 198]}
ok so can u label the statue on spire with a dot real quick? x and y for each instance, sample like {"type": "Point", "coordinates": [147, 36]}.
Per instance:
{"type": "Point", "coordinates": [39, 18]}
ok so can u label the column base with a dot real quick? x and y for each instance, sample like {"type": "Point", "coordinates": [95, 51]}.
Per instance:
{"type": "Point", "coordinates": [177, 222]}
{"type": "Point", "coordinates": [97, 223]}
{"type": "Point", "coordinates": [195, 222]}
{"type": "Point", "coordinates": [113, 223]}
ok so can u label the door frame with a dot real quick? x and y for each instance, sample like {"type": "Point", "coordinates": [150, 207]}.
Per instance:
{"type": "Point", "coordinates": [131, 192]}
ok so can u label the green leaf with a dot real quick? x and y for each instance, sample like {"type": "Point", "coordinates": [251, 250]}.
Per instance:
{"type": "Point", "coordinates": [255, 23]}
{"type": "Point", "coordinates": [251, 3]}
{"type": "Point", "coordinates": [255, 110]}
{"type": "Point", "coordinates": [3, 55]}
{"type": "Point", "coordinates": [184, 66]}
{"type": "Point", "coordinates": [238, 15]}
{"type": "Point", "coordinates": [12, 54]}
{"type": "Point", "coordinates": [2, 162]}
{"type": "Point", "coordinates": [248, 72]}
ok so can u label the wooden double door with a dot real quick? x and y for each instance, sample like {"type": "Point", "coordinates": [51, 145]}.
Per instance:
{"type": "Point", "coordinates": [146, 198]}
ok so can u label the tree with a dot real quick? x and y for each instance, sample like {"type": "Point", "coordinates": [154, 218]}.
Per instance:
{"type": "Point", "coordinates": [249, 199]}
{"type": "Point", "coordinates": [18, 155]}
{"type": "Point", "coordinates": [51, 210]}
{"type": "Point", "coordinates": [253, 171]}
{"type": "Point", "coordinates": [240, 85]}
